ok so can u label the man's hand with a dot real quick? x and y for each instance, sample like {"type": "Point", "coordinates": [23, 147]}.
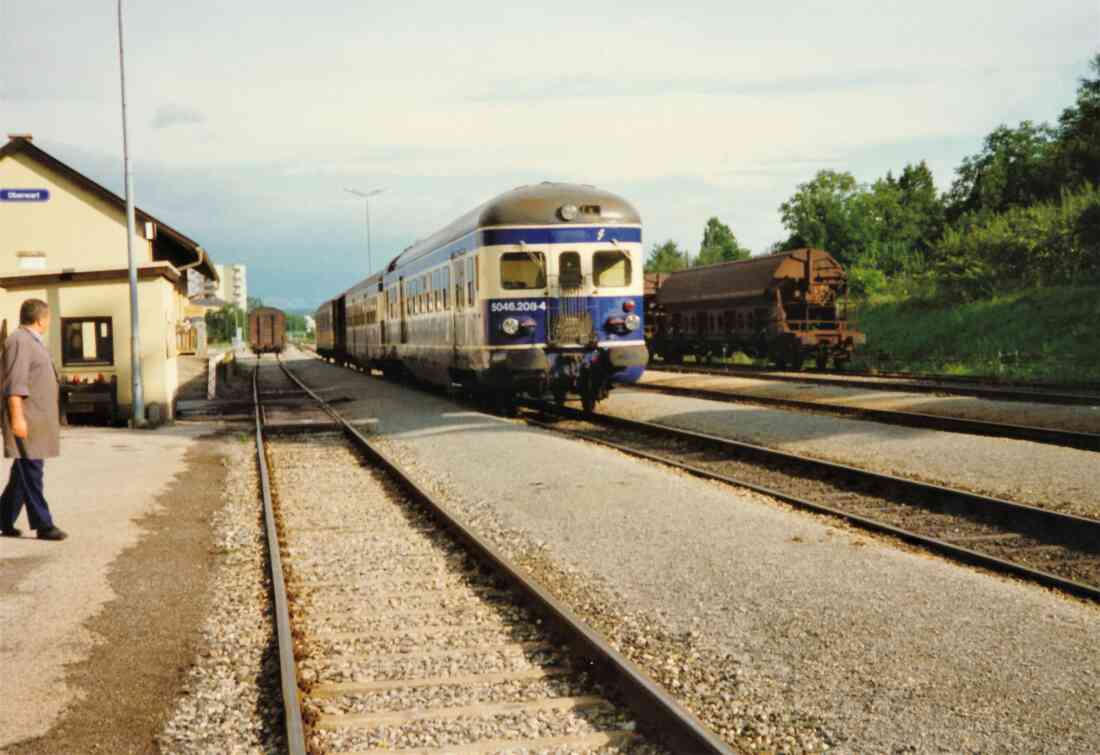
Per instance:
{"type": "Point", "coordinates": [19, 426]}
{"type": "Point", "coordinates": [18, 419]}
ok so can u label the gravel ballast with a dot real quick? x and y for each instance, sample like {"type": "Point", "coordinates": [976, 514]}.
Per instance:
{"type": "Point", "coordinates": [780, 629]}
{"type": "Point", "coordinates": [353, 545]}
{"type": "Point", "coordinates": [1063, 479]}
{"type": "Point", "coordinates": [231, 702]}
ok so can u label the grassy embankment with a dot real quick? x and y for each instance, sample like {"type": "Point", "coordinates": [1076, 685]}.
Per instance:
{"type": "Point", "coordinates": [1050, 334]}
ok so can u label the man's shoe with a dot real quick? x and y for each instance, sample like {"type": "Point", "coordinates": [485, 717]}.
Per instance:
{"type": "Point", "coordinates": [53, 533]}
{"type": "Point", "coordinates": [12, 532]}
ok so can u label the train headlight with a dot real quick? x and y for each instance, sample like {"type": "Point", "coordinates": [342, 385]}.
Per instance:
{"type": "Point", "coordinates": [568, 211]}
{"type": "Point", "coordinates": [510, 326]}
{"type": "Point", "coordinates": [632, 322]}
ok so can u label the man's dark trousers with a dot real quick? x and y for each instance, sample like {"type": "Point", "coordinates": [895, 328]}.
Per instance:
{"type": "Point", "coordinates": [25, 486]}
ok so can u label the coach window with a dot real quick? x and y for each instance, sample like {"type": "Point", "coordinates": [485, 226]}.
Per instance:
{"type": "Point", "coordinates": [522, 270]}
{"type": "Point", "coordinates": [611, 269]}
{"type": "Point", "coordinates": [87, 340]}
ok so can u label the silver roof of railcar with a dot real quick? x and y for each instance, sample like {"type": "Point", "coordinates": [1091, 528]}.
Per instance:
{"type": "Point", "coordinates": [537, 205]}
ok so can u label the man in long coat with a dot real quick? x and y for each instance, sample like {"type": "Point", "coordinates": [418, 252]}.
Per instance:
{"type": "Point", "coordinates": [32, 427]}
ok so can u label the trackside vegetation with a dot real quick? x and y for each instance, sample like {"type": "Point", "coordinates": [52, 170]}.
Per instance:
{"type": "Point", "coordinates": [999, 275]}
{"type": "Point", "coordinates": [1037, 334]}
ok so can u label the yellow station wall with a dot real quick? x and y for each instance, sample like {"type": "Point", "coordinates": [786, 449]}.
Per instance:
{"type": "Point", "coordinates": [77, 230]}
{"type": "Point", "coordinates": [74, 228]}
{"type": "Point", "coordinates": [112, 299]}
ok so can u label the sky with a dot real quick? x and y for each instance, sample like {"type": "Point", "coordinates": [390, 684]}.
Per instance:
{"type": "Point", "coordinates": [249, 119]}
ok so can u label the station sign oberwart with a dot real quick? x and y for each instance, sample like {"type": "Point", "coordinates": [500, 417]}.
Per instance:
{"type": "Point", "coordinates": [24, 195]}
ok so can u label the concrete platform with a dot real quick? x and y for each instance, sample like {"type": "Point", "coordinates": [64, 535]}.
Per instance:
{"type": "Point", "coordinates": [888, 649]}
{"type": "Point", "coordinates": [105, 480]}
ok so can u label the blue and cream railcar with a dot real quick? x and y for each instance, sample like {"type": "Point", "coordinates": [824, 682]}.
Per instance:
{"type": "Point", "coordinates": [324, 321]}
{"type": "Point", "coordinates": [537, 291]}
{"type": "Point", "coordinates": [364, 323]}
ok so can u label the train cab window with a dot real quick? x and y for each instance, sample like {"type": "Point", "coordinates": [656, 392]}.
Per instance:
{"type": "Point", "coordinates": [611, 269]}
{"type": "Point", "coordinates": [569, 270]}
{"type": "Point", "coordinates": [522, 270]}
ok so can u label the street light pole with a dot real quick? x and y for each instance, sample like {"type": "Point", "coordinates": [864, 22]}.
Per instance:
{"type": "Point", "coordinates": [365, 196]}
{"type": "Point", "coordinates": [138, 398]}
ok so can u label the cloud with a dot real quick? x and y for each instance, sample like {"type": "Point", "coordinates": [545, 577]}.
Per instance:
{"type": "Point", "coordinates": [177, 115]}
{"type": "Point", "coordinates": [583, 86]}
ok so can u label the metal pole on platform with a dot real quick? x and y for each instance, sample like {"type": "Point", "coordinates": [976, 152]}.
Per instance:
{"type": "Point", "coordinates": [138, 401]}
{"type": "Point", "coordinates": [365, 196]}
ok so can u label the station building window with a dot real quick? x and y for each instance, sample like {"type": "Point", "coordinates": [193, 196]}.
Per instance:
{"type": "Point", "coordinates": [87, 341]}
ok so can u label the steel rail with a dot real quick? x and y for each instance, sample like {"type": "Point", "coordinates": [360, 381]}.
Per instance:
{"type": "Point", "coordinates": [288, 673]}
{"type": "Point", "coordinates": [684, 732]}
{"type": "Point", "coordinates": [1067, 527]}
{"type": "Point", "coordinates": [870, 381]}
{"type": "Point", "coordinates": [1050, 436]}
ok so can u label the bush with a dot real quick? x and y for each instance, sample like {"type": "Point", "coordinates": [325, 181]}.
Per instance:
{"type": "Point", "coordinates": [1054, 243]}
{"type": "Point", "coordinates": [866, 282]}
{"type": "Point", "coordinates": [1037, 334]}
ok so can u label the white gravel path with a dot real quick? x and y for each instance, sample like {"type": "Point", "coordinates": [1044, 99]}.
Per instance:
{"type": "Point", "coordinates": [1067, 417]}
{"type": "Point", "coordinates": [823, 634]}
{"type": "Point", "coordinates": [1041, 475]}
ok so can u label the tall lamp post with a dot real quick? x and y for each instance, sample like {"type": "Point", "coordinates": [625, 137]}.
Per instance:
{"type": "Point", "coordinates": [365, 196]}
{"type": "Point", "coordinates": [138, 400]}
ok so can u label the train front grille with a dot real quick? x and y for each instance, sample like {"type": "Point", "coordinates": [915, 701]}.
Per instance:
{"type": "Point", "coordinates": [572, 322]}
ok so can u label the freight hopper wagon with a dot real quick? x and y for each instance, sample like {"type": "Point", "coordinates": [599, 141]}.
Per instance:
{"type": "Point", "coordinates": [786, 307]}
{"type": "Point", "coordinates": [266, 330]}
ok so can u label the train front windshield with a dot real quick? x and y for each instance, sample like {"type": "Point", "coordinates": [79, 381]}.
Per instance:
{"type": "Point", "coordinates": [611, 269]}
{"type": "Point", "coordinates": [522, 270]}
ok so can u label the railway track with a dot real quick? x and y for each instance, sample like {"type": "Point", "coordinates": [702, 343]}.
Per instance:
{"type": "Point", "coordinates": [1080, 395]}
{"type": "Point", "coordinates": [401, 631]}
{"type": "Point", "coordinates": [1057, 550]}
{"type": "Point", "coordinates": [1067, 438]}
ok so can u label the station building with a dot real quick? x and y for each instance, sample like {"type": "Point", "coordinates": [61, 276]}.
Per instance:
{"type": "Point", "coordinates": [63, 240]}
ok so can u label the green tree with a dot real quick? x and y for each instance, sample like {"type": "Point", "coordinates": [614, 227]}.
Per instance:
{"type": "Point", "coordinates": [221, 324]}
{"type": "Point", "coordinates": [1079, 132]}
{"type": "Point", "coordinates": [665, 258]}
{"type": "Point", "coordinates": [1016, 168]}
{"type": "Point", "coordinates": [827, 212]}
{"type": "Point", "coordinates": [254, 302]}
{"type": "Point", "coordinates": [719, 245]}
{"type": "Point", "coordinates": [902, 220]}
{"type": "Point", "coordinates": [295, 323]}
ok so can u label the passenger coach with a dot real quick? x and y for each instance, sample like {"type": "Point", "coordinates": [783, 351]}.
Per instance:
{"type": "Point", "coordinates": [538, 291]}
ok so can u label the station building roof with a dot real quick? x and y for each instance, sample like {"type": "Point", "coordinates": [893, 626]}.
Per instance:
{"type": "Point", "coordinates": [170, 245]}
